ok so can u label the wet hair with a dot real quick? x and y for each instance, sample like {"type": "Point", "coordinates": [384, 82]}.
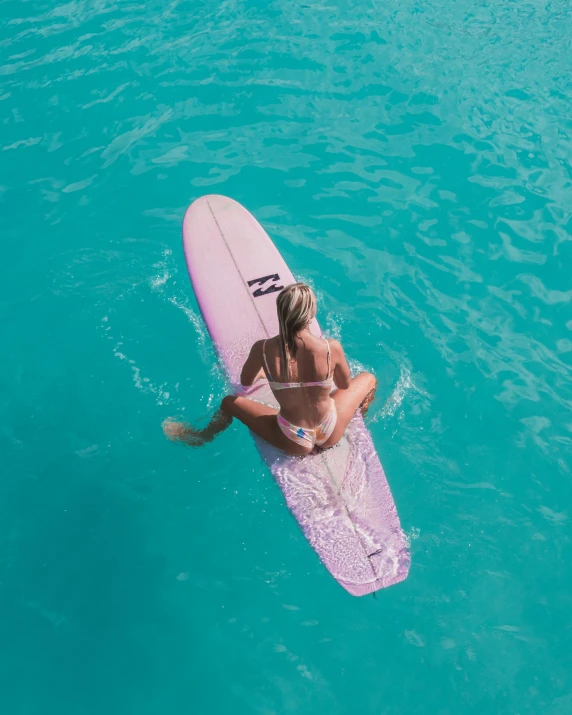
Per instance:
{"type": "Point", "coordinates": [296, 306]}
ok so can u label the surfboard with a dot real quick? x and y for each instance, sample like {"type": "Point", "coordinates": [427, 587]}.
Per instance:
{"type": "Point", "coordinates": [340, 497]}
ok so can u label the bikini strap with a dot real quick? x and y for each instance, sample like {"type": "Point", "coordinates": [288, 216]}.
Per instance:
{"type": "Point", "coordinates": [329, 358]}
{"type": "Point", "coordinates": [266, 361]}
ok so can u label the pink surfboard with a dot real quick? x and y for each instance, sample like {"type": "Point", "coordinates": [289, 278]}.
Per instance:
{"type": "Point", "coordinates": [340, 497]}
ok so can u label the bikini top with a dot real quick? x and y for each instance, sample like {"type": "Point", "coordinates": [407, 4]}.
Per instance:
{"type": "Point", "coordinates": [328, 382]}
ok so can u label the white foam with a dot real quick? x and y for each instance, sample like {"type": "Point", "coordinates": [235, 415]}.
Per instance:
{"type": "Point", "coordinates": [404, 385]}
{"type": "Point", "coordinates": [161, 395]}
{"type": "Point", "coordinates": [181, 302]}
{"type": "Point", "coordinates": [411, 535]}
{"type": "Point", "coordinates": [164, 270]}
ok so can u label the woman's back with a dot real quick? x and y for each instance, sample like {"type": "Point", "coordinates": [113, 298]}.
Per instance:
{"type": "Point", "coordinates": [302, 387]}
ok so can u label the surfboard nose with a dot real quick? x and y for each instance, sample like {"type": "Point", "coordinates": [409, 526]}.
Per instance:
{"type": "Point", "coordinates": [214, 203]}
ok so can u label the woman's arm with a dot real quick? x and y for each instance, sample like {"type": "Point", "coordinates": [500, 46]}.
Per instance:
{"type": "Point", "coordinates": [342, 375]}
{"type": "Point", "coordinates": [252, 369]}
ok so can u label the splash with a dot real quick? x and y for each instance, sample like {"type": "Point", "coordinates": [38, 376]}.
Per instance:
{"type": "Point", "coordinates": [394, 401]}
{"type": "Point", "coordinates": [159, 391]}
{"type": "Point", "coordinates": [181, 302]}
{"type": "Point", "coordinates": [411, 535]}
{"type": "Point", "coordinates": [334, 326]}
{"type": "Point", "coordinates": [164, 270]}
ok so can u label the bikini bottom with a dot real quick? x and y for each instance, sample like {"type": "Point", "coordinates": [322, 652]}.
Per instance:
{"type": "Point", "coordinates": [306, 437]}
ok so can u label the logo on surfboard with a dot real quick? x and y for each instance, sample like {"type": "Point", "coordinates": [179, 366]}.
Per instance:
{"type": "Point", "coordinates": [273, 288]}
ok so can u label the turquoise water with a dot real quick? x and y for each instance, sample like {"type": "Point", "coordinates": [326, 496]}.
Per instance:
{"type": "Point", "coordinates": [412, 161]}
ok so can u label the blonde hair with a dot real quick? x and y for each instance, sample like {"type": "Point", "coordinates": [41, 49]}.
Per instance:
{"type": "Point", "coordinates": [296, 306]}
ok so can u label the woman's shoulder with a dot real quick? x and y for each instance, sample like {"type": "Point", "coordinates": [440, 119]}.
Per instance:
{"type": "Point", "coordinates": [259, 345]}
{"type": "Point", "coordinates": [335, 346]}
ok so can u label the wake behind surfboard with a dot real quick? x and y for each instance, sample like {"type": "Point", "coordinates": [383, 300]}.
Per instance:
{"type": "Point", "coordinates": [340, 497]}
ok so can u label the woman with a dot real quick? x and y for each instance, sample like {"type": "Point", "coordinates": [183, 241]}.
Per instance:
{"type": "Point", "coordinates": [301, 370]}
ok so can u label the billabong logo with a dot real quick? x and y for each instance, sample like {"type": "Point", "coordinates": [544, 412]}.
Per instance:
{"type": "Point", "coordinates": [274, 288]}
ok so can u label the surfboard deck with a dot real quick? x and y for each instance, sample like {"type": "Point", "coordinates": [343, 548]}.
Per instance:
{"type": "Point", "coordinates": [340, 497]}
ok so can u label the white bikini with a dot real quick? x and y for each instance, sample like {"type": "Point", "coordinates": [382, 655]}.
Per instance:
{"type": "Point", "coordinates": [305, 436]}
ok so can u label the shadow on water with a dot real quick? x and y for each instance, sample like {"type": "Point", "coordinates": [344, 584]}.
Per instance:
{"type": "Point", "coordinates": [86, 617]}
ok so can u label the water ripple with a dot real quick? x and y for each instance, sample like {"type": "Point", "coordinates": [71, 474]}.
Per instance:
{"type": "Point", "coordinates": [412, 162]}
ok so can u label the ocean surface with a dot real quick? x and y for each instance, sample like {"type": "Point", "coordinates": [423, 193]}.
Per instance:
{"type": "Point", "coordinates": [411, 161]}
